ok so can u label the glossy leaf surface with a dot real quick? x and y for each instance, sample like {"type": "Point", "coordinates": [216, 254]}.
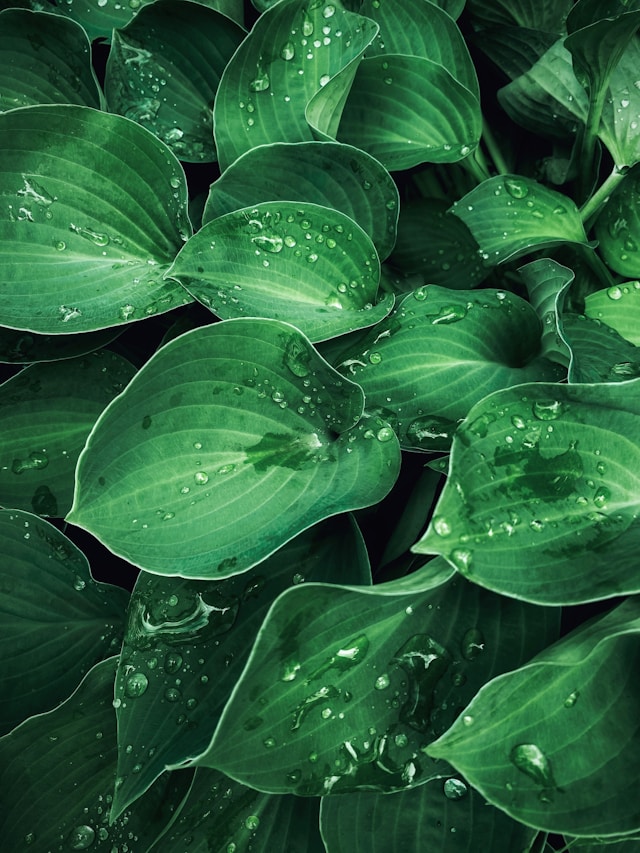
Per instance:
{"type": "Point", "coordinates": [618, 228]}
{"type": "Point", "coordinates": [598, 352]}
{"type": "Point", "coordinates": [618, 307]}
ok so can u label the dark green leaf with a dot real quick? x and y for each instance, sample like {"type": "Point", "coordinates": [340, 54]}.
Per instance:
{"type": "Point", "coordinates": [163, 72]}
{"type": "Point", "coordinates": [25, 347]}
{"type": "Point", "coordinates": [232, 439]}
{"type": "Point", "coordinates": [542, 498]}
{"type": "Point", "coordinates": [44, 59]}
{"type": "Point", "coordinates": [325, 173]}
{"type": "Point", "coordinates": [46, 413]}
{"type": "Point", "coordinates": [598, 352]}
{"type": "Point", "coordinates": [57, 622]}
{"type": "Point", "coordinates": [556, 744]}
{"type": "Point", "coordinates": [618, 229]}
{"type": "Point", "coordinates": [95, 212]}
{"type": "Point", "coordinates": [308, 265]}
{"type": "Point", "coordinates": [515, 50]}
{"type": "Point", "coordinates": [546, 15]}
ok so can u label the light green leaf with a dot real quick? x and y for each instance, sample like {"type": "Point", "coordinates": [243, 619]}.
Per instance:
{"type": "Point", "coordinates": [509, 215]}
{"type": "Point", "coordinates": [57, 773]}
{"type": "Point", "coordinates": [163, 71]}
{"type": "Point", "coordinates": [308, 265]}
{"type": "Point", "coordinates": [221, 814]}
{"type": "Point", "coordinates": [57, 622]}
{"type": "Point", "coordinates": [440, 352]}
{"type": "Point", "coordinates": [187, 642]}
{"type": "Point", "coordinates": [46, 413]}
{"type": "Point", "coordinates": [598, 352]}
{"type": "Point", "coordinates": [556, 744]}
{"type": "Point", "coordinates": [541, 501]}
{"type": "Point", "coordinates": [325, 173]}
{"type": "Point", "coordinates": [618, 307]}
{"type": "Point", "coordinates": [44, 59]}
{"type": "Point", "coordinates": [95, 212]}
{"type": "Point", "coordinates": [278, 68]}
{"type": "Point", "coordinates": [443, 814]}
{"type": "Point", "coordinates": [547, 282]}
{"type": "Point", "coordinates": [618, 228]}
{"type": "Point", "coordinates": [231, 440]}
{"type": "Point", "coordinates": [400, 665]}
{"type": "Point", "coordinates": [24, 347]}
{"type": "Point", "coordinates": [407, 110]}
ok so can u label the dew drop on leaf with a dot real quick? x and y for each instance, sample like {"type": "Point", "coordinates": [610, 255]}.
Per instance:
{"type": "Point", "coordinates": [516, 189]}
{"type": "Point", "coordinates": [82, 837]}
{"type": "Point", "coordinates": [531, 760]}
{"type": "Point", "coordinates": [455, 789]}
{"type": "Point", "coordinates": [136, 685]}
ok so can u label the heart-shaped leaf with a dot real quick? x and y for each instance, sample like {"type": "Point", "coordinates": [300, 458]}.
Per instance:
{"type": "Point", "coordinates": [57, 622]}
{"type": "Point", "coordinates": [325, 173]}
{"type": "Point", "coordinates": [46, 413]}
{"type": "Point", "coordinates": [619, 308]}
{"type": "Point", "coordinates": [86, 232]}
{"type": "Point", "coordinates": [345, 687]}
{"type": "Point", "coordinates": [163, 72]}
{"type": "Point", "coordinates": [618, 228]}
{"type": "Point", "coordinates": [232, 439]}
{"type": "Point", "coordinates": [308, 265]}
{"type": "Point", "coordinates": [556, 743]}
{"type": "Point", "coordinates": [509, 215]}
{"type": "Point", "coordinates": [541, 501]}
{"type": "Point", "coordinates": [187, 642]}
{"type": "Point", "coordinates": [44, 59]}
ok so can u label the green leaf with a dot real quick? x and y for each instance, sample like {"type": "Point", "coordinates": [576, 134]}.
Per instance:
{"type": "Point", "coordinates": [598, 352]}
{"type": "Point", "coordinates": [618, 228]}
{"type": "Point", "coordinates": [278, 68]}
{"type": "Point", "coordinates": [24, 348]}
{"type": "Point", "coordinates": [509, 215]}
{"type": "Point", "coordinates": [443, 814]}
{"type": "Point", "coordinates": [310, 266]}
{"type": "Point", "coordinates": [547, 282]}
{"type": "Point", "coordinates": [163, 71]}
{"type": "Point", "coordinates": [440, 352]}
{"type": "Point", "coordinates": [542, 494]}
{"type": "Point", "coordinates": [515, 50]}
{"type": "Point", "coordinates": [379, 677]}
{"type": "Point", "coordinates": [325, 173]}
{"type": "Point", "coordinates": [57, 773]}
{"type": "Point", "coordinates": [46, 413]}
{"type": "Point", "coordinates": [232, 439]}
{"type": "Point", "coordinates": [619, 308]}
{"type": "Point", "coordinates": [619, 125]}
{"type": "Point", "coordinates": [556, 744]}
{"type": "Point", "coordinates": [546, 15]}
{"type": "Point", "coordinates": [187, 642]}
{"type": "Point", "coordinates": [57, 622]}
{"type": "Point", "coordinates": [44, 59]}
{"type": "Point", "coordinates": [95, 212]}
{"type": "Point", "coordinates": [220, 813]}
{"type": "Point", "coordinates": [407, 110]}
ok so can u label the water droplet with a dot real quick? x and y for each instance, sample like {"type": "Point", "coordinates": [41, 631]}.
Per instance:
{"type": "Point", "coordinates": [79, 584]}
{"type": "Point", "coordinates": [571, 699]}
{"type": "Point", "coordinates": [467, 720]}
{"type": "Point", "coordinates": [270, 243]}
{"type": "Point", "coordinates": [385, 434]}
{"type": "Point", "coordinates": [472, 644]}
{"type": "Point", "coordinates": [96, 237]}
{"type": "Point", "coordinates": [547, 410]}
{"type": "Point", "coordinates": [288, 51]}
{"type": "Point", "coordinates": [450, 314]}
{"type": "Point", "coordinates": [516, 188]}
{"type": "Point", "coordinates": [323, 82]}
{"type": "Point", "coordinates": [37, 459]}
{"type": "Point", "coordinates": [172, 663]}
{"type": "Point", "coordinates": [261, 82]}
{"type": "Point", "coordinates": [614, 292]}
{"type": "Point", "coordinates": [441, 525]}
{"type": "Point", "coordinates": [375, 358]}
{"type": "Point", "coordinates": [269, 742]}
{"type": "Point", "coordinates": [82, 837]}
{"type": "Point", "coordinates": [382, 682]}
{"type": "Point", "coordinates": [126, 311]}
{"type": "Point", "coordinates": [172, 694]}
{"type": "Point", "coordinates": [136, 684]}
{"type": "Point", "coordinates": [455, 789]}
{"type": "Point", "coordinates": [60, 245]}
{"type": "Point", "coordinates": [602, 497]}
{"type": "Point", "coordinates": [252, 822]}
{"type": "Point", "coordinates": [307, 26]}
{"type": "Point", "coordinates": [461, 559]}
{"type": "Point", "coordinates": [328, 11]}
{"type": "Point", "coordinates": [536, 525]}
{"type": "Point", "coordinates": [531, 760]}
{"type": "Point", "coordinates": [201, 478]}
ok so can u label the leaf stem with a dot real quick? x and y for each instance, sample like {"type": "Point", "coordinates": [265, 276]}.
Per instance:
{"type": "Point", "coordinates": [600, 196]}
{"type": "Point", "coordinates": [494, 151]}
{"type": "Point", "coordinates": [589, 138]}
{"type": "Point", "coordinates": [476, 165]}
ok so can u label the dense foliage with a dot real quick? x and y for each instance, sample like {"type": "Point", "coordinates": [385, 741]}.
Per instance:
{"type": "Point", "coordinates": [320, 328]}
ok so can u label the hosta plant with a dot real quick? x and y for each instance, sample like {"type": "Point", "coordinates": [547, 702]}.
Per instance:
{"type": "Point", "coordinates": [319, 458]}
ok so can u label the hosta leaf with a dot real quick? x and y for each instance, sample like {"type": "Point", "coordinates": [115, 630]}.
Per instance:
{"type": "Point", "coordinates": [547, 282]}
{"type": "Point", "coordinates": [556, 744]}
{"type": "Point", "coordinates": [58, 772]}
{"type": "Point", "coordinates": [437, 245]}
{"type": "Point", "coordinates": [618, 228]}
{"type": "Point", "coordinates": [95, 211]}
{"type": "Point", "coordinates": [618, 307]}
{"type": "Point", "coordinates": [325, 173]}
{"type": "Point", "coordinates": [443, 814]}
{"type": "Point", "coordinates": [187, 642]}
{"type": "Point", "coordinates": [163, 71]}
{"type": "Point", "coordinates": [619, 125]}
{"type": "Point", "coordinates": [438, 353]}
{"type": "Point", "coordinates": [515, 50]}
{"type": "Point", "coordinates": [221, 814]}
{"type": "Point", "coordinates": [598, 352]}
{"type": "Point", "coordinates": [24, 347]}
{"type": "Point", "coordinates": [407, 110]}
{"type": "Point", "coordinates": [57, 622]}
{"type": "Point", "coordinates": [232, 439]}
{"type": "Point", "coordinates": [290, 53]}
{"type": "Point", "coordinates": [44, 59]}
{"type": "Point", "coordinates": [46, 413]}
{"type": "Point", "coordinates": [509, 215]}
{"type": "Point", "coordinates": [547, 15]}
{"type": "Point", "coordinates": [541, 501]}
{"type": "Point", "coordinates": [308, 265]}
{"type": "Point", "coordinates": [375, 678]}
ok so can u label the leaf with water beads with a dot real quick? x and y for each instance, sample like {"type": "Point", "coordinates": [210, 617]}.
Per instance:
{"type": "Point", "coordinates": [306, 264]}
{"type": "Point", "coordinates": [345, 686]}
{"type": "Point", "coordinates": [163, 71]}
{"type": "Point", "coordinates": [618, 231]}
{"type": "Point", "coordinates": [232, 439]}
{"type": "Point", "coordinates": [543, 493]}
{"type": "Point", "coordinates": [619, 307]}
{"type": "Point", "coordinates": [86, 233]}
{"type": "Point", "coordinates": [186, 644]}
{"type": "Point", "coordinates": [44, 60]}
{"type": "Point", "coordinates": [547, 283]}
{"type": "Point", "coordinates": [509, 215]}
{"type": "Point", "coordinates": [598, 352]}
{"type": "Point", "coordinates": [556, 743]}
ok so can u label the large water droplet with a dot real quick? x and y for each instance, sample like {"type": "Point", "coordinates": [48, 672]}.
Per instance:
{"type": "Point", "coordinates": [287, 51]}
{"type": "Point", "coordinates": [531, 760]}
{"type": "Point", "coordinates": [455, 789]}
{"type": "Point", "coordinates": [449, 314]}
{"type": "Point", "coordinates": [516, 188]}
{"type": "Point", "coordinates": [82, 837]}
{"type": "Point", "coordinates": [37, 459]}
{"type": "Point", "coordinates": [261, 82]}
{"type": "Point", "coordinates": [547, 410]}
{"type": "Point", "coordinates": [270, 243]}
{"type": "Point", "coordinates": [425, 662]}
{"type": "Point", "coordinates": [472, 644]}
{"type": "Point", "coordinates": [136, 684]}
